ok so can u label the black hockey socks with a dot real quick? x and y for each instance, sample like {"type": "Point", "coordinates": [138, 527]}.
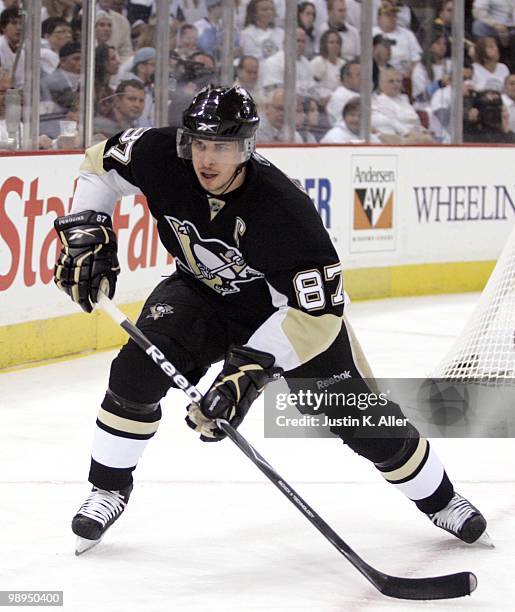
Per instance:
{"type": "Point", "coordinates": [123, 430]}
{"type": "Point", "coordinates": [417, 472]}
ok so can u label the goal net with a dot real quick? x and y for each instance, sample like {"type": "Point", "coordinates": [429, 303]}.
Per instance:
{"type": "Point", "coordinates": [485, 350]}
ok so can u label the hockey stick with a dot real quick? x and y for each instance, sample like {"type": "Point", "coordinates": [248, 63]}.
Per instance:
{"type": "Point", "coordinates": [436, 587]}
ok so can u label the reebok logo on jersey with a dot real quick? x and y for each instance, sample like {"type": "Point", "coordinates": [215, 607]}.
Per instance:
{"type": "Point", "coordinates": [335, 378]}
{"type": "Point", "coordinates": [159, 310]}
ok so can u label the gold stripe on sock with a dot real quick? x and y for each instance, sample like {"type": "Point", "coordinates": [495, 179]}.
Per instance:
{"type": "Point", "coordinates": [126, 425]}
{"type": "Point", "coordinates": [410, 466]}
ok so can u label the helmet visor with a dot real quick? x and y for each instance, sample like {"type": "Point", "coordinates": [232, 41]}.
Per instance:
{"type": "Point", "coordinates": [237, 153]}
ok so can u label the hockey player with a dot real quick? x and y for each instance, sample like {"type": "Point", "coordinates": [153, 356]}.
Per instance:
{"type": "Point", "coordinates": [257, 281]}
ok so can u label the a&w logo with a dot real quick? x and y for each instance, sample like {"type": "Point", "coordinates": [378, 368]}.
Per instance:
{"type": "Point", "coordinates": [373, 208]}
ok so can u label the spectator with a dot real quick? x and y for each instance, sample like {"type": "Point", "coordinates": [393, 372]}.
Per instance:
{"type": "Point", "coordinates": [508, 99]}
{"type": "Point", "coordinates": [139, 10]}
{"type": "Point", "coordinates": [190, 76]}
{"type": "Point", "coordinates": [10, 40]}
{"type": "Point", "coordinates": [76, 26]}
{"type": "Point", "coordinates": [103, 27]}
{"type": "Point", "coordinates": [60, 91]}
{"type": "Point", "coordinates": [260, 37]}
{"type": "Point", "coordinates": [120, 37]}
{"type": "Point", "coordinates": [442, 21]}
{"type": "Point", "coordinates": [187, 41]}
{"type": "Point", "coordinates": [493, 18]}
{"type": "Point", "coordinates": [44, 141]}
{"type": "Point", "coordinates": [191, 10]}
{"type": "Point", "coordinates": [143, 70]}
{"type": "Point", "coordinates": [311, 129]}
{"type": "Point", "coordinates": [348, 129]}
{"type": "Point", "coordinates": [321, 14]}
{"type": "Point", "coordinates": [120, 6]}
{"type": "Point", "coordinates": [272, 74]}
{"type": "Point", "coordinates": [127, 109]}
{"type": "Point", "coordinates": [406, 52]}
{"type": "Point", "coordinates": [350, 79]}
{"type": "Point", "coordinates": [381, 56]}
{"type": "Point", "coordinates": [327, 66]}
{"type": "Point", "coordinates": [56, 32]}
{"type": "Point", "coordinates": [490, 125]}
{"type": "Point", "coordinates": [440, 116]}
{"type": "Point", "coordinates": [106, 67]}
{"type": "Point", "coordinates": [271, 126]}
{"type": "Point", "coordinates": [489, 73]}
{"type": "Point", "coordinates": [58, 8]}
{"type": "Point", "coordinates": [354, 12]}
{"type": "Point", "coordinates": [406, 16]}
{"type": "Point", "coordinates": [393, 116]}
{"type": "Point", "coordinates": [306, 15]}
{"type": "Point", "coordinates": [210, 29]}
{"type": "Point", "coordinates": [5, 84]}
{"type": "Point", "coordinates": [432, 73]}
{"type": "Point", "coordinates": [62, 86]}
{"type": "Point", "coordinates": [247, 76]}
{"type": "Point", "coordinates": [337, 20]}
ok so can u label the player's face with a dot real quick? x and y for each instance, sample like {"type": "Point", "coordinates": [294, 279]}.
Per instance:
{"type": "Point", "coordinates": [215, 162]}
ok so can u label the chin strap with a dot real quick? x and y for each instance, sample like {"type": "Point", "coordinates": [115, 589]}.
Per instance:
{"type": "Point", "coordinates": [235, 175]}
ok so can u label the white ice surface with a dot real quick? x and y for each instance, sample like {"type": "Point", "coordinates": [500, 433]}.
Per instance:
{"type": "Point", "coordinates": [205, 531]}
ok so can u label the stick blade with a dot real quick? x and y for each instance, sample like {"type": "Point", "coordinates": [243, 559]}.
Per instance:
{"type": "Point", "coordinates": [437, 587]}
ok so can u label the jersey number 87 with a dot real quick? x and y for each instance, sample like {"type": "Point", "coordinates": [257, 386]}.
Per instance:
{"type": "Point", "coordinates": [309, 286]}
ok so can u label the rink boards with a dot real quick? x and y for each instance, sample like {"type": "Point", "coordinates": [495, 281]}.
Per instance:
{"type": "Point", "coordinates": [405, 221]}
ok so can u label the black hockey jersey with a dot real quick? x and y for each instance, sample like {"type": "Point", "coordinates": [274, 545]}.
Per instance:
{"type": "Point", "coordinates": [259, 252]}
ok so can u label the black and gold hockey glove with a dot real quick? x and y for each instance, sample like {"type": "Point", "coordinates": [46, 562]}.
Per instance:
{"type": "Point", "coordinates": [88, 256]}
{"type": "Point", "coordinates": [245, 373]}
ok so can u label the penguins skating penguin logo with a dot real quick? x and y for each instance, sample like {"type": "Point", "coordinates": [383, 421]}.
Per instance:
{"type": "Point", "coordinates": [211, 261]}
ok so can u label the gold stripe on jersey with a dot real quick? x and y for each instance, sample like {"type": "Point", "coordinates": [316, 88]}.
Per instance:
{"type": "Point", "coordinates": [411, 466]}
{"type": "Point", "coordinates": [94, 160]}
{"type": "Point", "coordinates": [126, 425]}
{"type": "Point", "coordinates": [310, 335]}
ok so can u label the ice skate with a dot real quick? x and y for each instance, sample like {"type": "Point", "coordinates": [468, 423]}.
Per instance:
{"type": "Point", "coordinates": [100, 510]}
{"type": "Point", "coordinates": [463, 520]}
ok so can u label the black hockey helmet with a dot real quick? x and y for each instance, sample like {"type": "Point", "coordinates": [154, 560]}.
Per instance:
{"type": "Point", "coordinates": [220, 113]}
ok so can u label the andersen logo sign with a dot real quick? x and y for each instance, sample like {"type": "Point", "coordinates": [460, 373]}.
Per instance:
{"type": "Point", "coordinates": [374, 194]}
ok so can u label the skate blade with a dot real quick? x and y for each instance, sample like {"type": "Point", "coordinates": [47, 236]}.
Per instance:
{"type": "Point", "coordinates": [485, 540]}
{"type": "Point", "coordinates": [82, 545]}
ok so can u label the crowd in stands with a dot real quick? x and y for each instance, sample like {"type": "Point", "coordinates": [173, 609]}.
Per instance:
{"type": "Point", "coordinates": [412, 68]}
